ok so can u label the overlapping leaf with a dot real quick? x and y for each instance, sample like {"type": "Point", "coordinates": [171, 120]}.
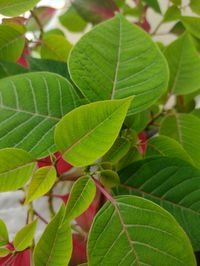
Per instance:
{"type": "Point", "coordinates": [16, 7]}
{"type": "Point", "coordinates": [117, 59]}
{"type": "Point", "coordinates": [185, 129]}
{"type": "Point", "coordinates": [30, 106]}
{"type": "Point", "coordinates": [3, 233]}
{"type": "Point", "coordinates": [134, 231]}
{"type": "Point", "coordinates": [184, 65]}
{"type": "Point", "coordinates": [55, 244]}
{"type": "Point", "coordinates": [170, 182]}
{"type": "Point", "coordinates": [16, 168]}
{"type": "Point", "coordinates": [78, 132]}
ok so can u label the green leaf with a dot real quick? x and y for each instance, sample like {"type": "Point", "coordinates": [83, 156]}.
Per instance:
{"type": "Point", "coordinates": [72, 21]}
{"type": "Point", "coordinates": [42, 181]}
{"type": "Point", "coordinates": [135, 231]}
{"type": "Point", "coordinates": [13, 8]}
{"type": "Point", "coordinates": [138, 121]}
{"type": "Point", "coordinates": [117, 59]}
{"type": "Point", "coordinates": [154, 4]}
{"type": "Point", "coordinates": [172, 13]}
{"type": "Point", "coordinates": [4, 239]}
{"type": "Point", "coordinates": [184, 65]}
{"type": "Point", "coordinates": [4, 252]}
{"type": "Point", "coordinates": [195, 6]}
{"type": "Point", "coordinates": [185, 129]}
{"type": "Point", "coordinates": [11, 42]}
{"type": "Point", "coordinates": [24, 237]}
{"type": "Point", "coordinates": [55, 244]}
{"type": "Point", "coordinates": [8, 69]}
{"type": "Point", "coordinates": [192, 24]}
{"type": "Point", "coordinates": [109, 178]}
{"type": "Point", "coordinates": [30, 106]}
{"type": "Point", "coordinates": [176, 2]}
{"type": "Point", "coordinates": [81, 196]}
{"type": "Point", "coordinates": [165, 146]}
{"type": "Point", "coordinates": [119, 149]}
{"type": "Point", "coordinates": [170, 182]}
{"type": "Point", "coordinates": [55, 47]}
{"type": "Point", "coordinates": [16, 167]}
{"type": "Point", "coordinates": [79, 147]}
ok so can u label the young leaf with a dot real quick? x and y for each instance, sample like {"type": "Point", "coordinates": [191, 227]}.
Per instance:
{"type": "Point", "coordinates": [170, 182]}
{"type": "Point", "coordinates": [42, 181]}
{"type": "Point", "coordinates": [185, 129]}
{"type": "Point", "coordinates": [55, 244]}
{"type": "Point", "coordinates": [165, 146]}
{"type": "Point", "coordinates": [30, 106]}
{"type": "Point", "coordinates": [154, 4]}
{"type": "Point", "coordinates": [99, 121]}
{"type": "Point", "coordinates": [16, 167]}
{"type": "Point", "coordinates": [55, 47]}
{"type": "Point", "coordinates": [16, 7]}
{"type": "Point", "coordinates": [135, 231]}
{"type": "Point", "coordinates": [184, 65]}
{"type": "Point", "coordinates": [109, 178]}
{"type": "Point", "coordinates": [11, 42]}
{"type": "Point", "coordinates": [3, 233]}
{"type": "Point", "coordinates": [172, 13]}
{"type": "Point", "coordinates": [81, 196]}
{"type": "Point", "coordinates": [24, 237]}
{"type": "Point", "coordinates": [4, 252]}
{"type": "Point", "coordinates": [116, 59]}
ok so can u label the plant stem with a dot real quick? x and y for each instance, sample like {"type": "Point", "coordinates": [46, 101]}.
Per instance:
{"type": "Point", "coordinates": [79, 230]}
{"type": "Point", "coordinates": [37, 20]}
{"type": "Point", "coordinates": [40, 217]}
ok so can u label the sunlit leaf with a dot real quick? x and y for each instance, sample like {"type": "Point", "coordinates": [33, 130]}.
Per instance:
{"type": "Point", "coordinates": [3, 233]}
{"type": "Point", "coordinates": [16, 7]}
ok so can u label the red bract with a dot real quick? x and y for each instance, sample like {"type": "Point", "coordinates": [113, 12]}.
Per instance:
{"type": "Point", "coordinates": [22, 60]}
{"type": "Point", "coordinates": [143, 142]}
{"type": "Point", "coordinates": [20, 259]}
{"type": "Point", "coordinates": [79, 250]}
{"type": "Point", "coordinates": [61, 166]}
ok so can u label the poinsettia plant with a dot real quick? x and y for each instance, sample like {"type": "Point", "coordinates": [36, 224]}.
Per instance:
{"type": "Point", "coordinates": [105, 129]}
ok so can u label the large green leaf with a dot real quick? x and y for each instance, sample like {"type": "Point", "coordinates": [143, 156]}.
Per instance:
{"type": "Point", "coordinates": [81, 196]}
{"type": "Point", "coordinates": [98, 126]}
{"type": "Point", "coordinates": [16, 7]}
{"type": "Point", "coordinates": [8, 69]}
{"type": "Point", "coordinates": [135, 231]}
{"type": "Point", "coordinates": [11, 42]}
{"type": "Point", "coordinates": [4, 239]}
{"type": "Point", "coordinates": [185, 129]}
{"type": "Point", "coordinates": [195, 6]}
{"type": "Point", "coordinates": [170, 182]}
{"type": "Point", "coordinates": [55, 47]}
{"type": "Point", "coordinates": [42, 181]}
{"type": "Point", "coordinates": [55, 244]}
{"type": "Point", "coordinates": [16, 167]}
{"type": "Point", "coordinates": [117, 59]}
{"type": "Point", "coordinates": [30, 106]}
{"type": "Point", "coordinates": [165, 146]}
{"type": "Point", "coordinates": [24, 237]}
{"type": "Point", "coordinates": [184, 65]}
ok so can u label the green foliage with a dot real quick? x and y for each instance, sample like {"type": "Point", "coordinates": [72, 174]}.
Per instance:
{"type": "Point", "coordinates": [55, 244]}
{"type": "Point", "coordinates": [16, 7]}
{"type": "Point", "coordinates": [113, 111]}
{"type": "Point", "coordinates": [16, 167]}
{"type": "Point", "coordinates": [31, 105]}
{"type": "Point", "coordinates": [3, 233]}
{"type": "Point", "coordinates": [170, 182]}
{"type": "Point", "coordinates": [184, 67]}
{"type": "Point", "coordinates": [130, 231]}
{"type": "Point", "coordinates": [81, 196]}
{"type": "Point", "coordinates": [11, 42]}
{"type": "Point", "coordinates": [55, 47]}
{"type": "Point", "coordinates": [24, 237]}
{"type": "Point", "coordinates": [42, 181]}
{"type": "Point", "coordinates": [107, 63]}
{"type": "Point", "coordinates": [185, 129]}
{"type": "Point", "coordinates": [103, 125]}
